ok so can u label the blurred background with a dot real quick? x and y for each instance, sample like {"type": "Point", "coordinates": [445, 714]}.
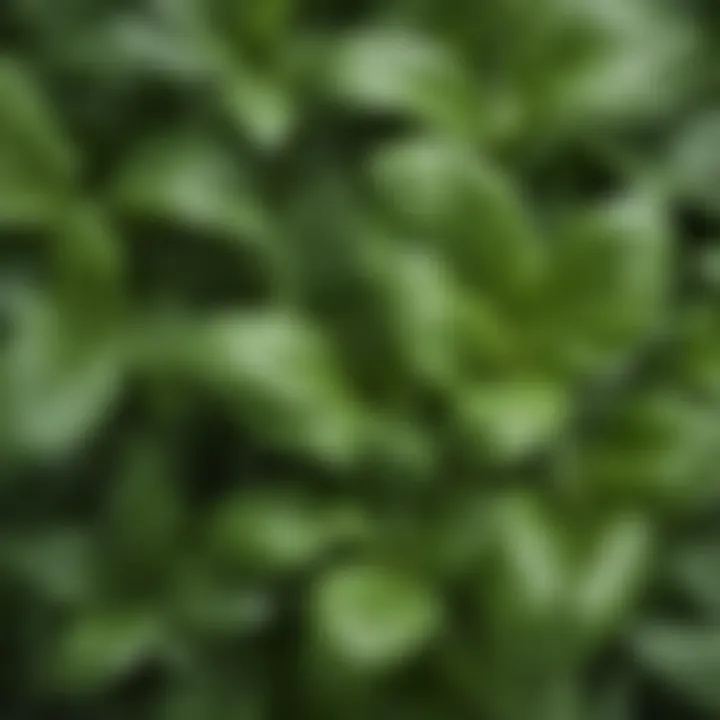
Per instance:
{"type": "Point", "coordinates": [359, 359]}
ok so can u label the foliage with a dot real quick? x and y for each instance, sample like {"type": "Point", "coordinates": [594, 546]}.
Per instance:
{"type": "Point", "coordinates": [359, 359]}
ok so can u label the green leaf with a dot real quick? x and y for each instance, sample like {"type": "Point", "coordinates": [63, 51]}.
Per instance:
{"type": "Point", "coordinates": [89, 267]}
{"type": "Point", "coordinates": [686, 658]}
{"type": "Point", "coordinates": [615, 702]}
{"type": "Point", "coordinates": [271, 532]}
{"type": "Point", "coordinates": [98, 650]}
{"type": "Point", "coordinates": [398, 71]}
{"type": "Point", "coordinates": [425, 181]}
{"type": "Point", "coordinates": [281, 375]}
{"type": "Point", "coordinates": [454, 195]}
{"type": "Point", "coordinates": [22, 203]}
{"type": "Point", "coordinates": [56, 563]}
{"type": "Point", "coordinates": [30, 129]}
{"type": "Point", "coordinates": [534, 566]}
{"type": "Point", "coordinates": [462, 538]}
{"type": "Point", "coordinates": [263, 109]}
{"type": "Point", "coordinates": [613, 271]}
{"type": "Point", "coordinates": [132, 47]}
{"type": "Point", "coordinates": [399, 445]}
{"type": "Point", "coordinates": [212, 609]}
{"type": "Point", "coordinates": [421, 302]}
{"type": "Point", "coordinates": [696, 571]}
{"type": "Point", "coordinates": [60, 389]}
{"type": "Point", "coordinates": [144, 517]}
{"type": "Point", "coordinates": [259, 25]}
{"type": "Point", "coordinates": [214, 691]}
{"type": "Point", "coordinates": [630, 62]}
{"type": "Point", "coordinates": [191, 181]}
{"type": "Point", "coordinates": [515, 418]}
{"type": "Point", "coordinates": [612, 576]}
{"type": "Point", "coordinates": [373, 619]}
{"type": "Point", "coordinates": [663, 447]}
{"type": "Point", "coordinates": [486, 335]}
{"type": "Point", "coordinates": [693, 164]}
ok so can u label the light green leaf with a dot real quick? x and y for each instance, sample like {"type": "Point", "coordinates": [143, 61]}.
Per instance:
{"type": "Point", "coordinates": [282, 377]}
{"type": "Point", "coordinates": [614, 269]}
{"type": "Point", "coordinates": [534, 565]}
{"type": "Point", "coordinates": [262, 109]}
{"type": "Point", "coordinates": [421, 294]}
{"type": "Point", "coordinates": [272, 532]}
{"type": "Point", "coordinates": [611, 577]}
{"type": "Point", "coordinates": [372, 618]}
{"type": "Point", "coordinates": [513, 418]}
{"type": "Point", "coordinates": [59, 389]}
{"type": "Point", "coordinates": [189, 180]}
{"type": "Point", "coordinates": [633, 64]}
{"type": "Point", "coordinates": [424, 180]}
{"type": "Point", "coordinates": [449, 192]}
{"type": "Point", "coordinates": [395, 70]}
